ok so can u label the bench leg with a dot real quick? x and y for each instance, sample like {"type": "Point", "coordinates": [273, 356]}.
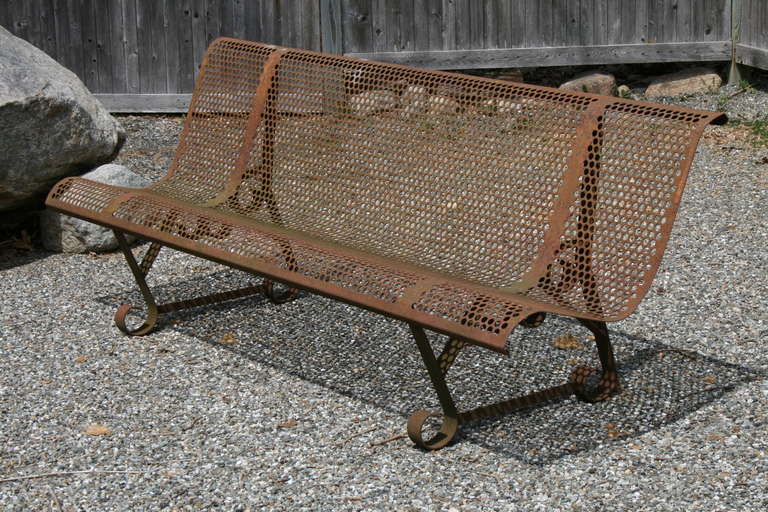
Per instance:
{"type": "Point", "coordinates": [584, 377]}
{"type": "Point", "coordinates": [140, 271]}
{"type": "Point", "coordinates": [589, 384]}
{"type": "Point", "coordinates": [437, 373]}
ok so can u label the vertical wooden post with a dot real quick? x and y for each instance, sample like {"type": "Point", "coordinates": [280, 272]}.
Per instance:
{"type": "Point", "coordinates": [735, 72]}
{"type": "Point", "coordinates": [330, 27]}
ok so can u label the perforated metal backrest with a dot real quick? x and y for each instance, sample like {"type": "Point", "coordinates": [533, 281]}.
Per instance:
{"type": "Point", "coordinates": [566, 197]}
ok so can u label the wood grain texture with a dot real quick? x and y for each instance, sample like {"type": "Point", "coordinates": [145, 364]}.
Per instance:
{"type": "Point", "coordinates": [557, 56]}
{"type": "Point", "coordinates": [155, 46]}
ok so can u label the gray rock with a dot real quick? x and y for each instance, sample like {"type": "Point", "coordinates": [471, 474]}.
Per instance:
{"type": "Point", "coordinates": [688, 81]}
{"type": "Point", "coordinates": [596, 83]}
{"type": "Point", "coordinates": [52, 126]}
{"type": "Point", "coordinates": [62, 233]}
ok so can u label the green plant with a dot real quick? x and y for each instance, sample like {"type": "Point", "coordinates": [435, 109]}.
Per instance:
{"type": "Point", "coordinates": [760, 131]}
{"type": "Point", "coordinates": [722, 102]}
{"type": "Point", "coordinates": [746, 86]}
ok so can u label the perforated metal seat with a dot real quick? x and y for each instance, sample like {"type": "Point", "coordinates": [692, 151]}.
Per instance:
{"type": "Point", "coordinates": [457, 203]}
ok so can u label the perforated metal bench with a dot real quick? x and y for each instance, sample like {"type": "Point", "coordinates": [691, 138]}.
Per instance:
{"type": "Point", "coordinates": [458, 204]}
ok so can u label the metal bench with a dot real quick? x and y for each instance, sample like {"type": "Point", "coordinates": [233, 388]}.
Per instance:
{"type": "Point", "coordinates": [458, 204]}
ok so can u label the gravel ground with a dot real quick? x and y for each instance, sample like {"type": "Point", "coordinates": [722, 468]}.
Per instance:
{"type": "Point", "coordinates": [250, 406]}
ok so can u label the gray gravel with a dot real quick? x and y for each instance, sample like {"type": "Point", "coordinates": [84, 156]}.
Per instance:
{"type": "Point", "coordinates": [280, 416]}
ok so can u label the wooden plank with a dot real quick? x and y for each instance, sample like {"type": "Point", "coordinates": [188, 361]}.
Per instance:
{"type": "Point", "coordinates": [378, 29]}
{"type": "Point", "coordinates": [684, 21]}
{"type": "Point", "coordinates": [629, 20]}
{"type": "Point", "coordinates": [558, 56]}
{"type": "Point", "coordinates": [187, 70]}
{"type": "Point", "coordinates": [131, 47]}
{"type": "Point", "coordinates": [531, 24]}
{"type": "Point", "coordinates": [607, 22]}
{"type": "Point", "coordinates": [752, 56]}
{"type": "Point", "coordinates": [449, 25]}
{"type": "Point", "coordinates": [117, 28]}
{"type": "Point", "coordinates": [90, 52]}
{"type": "Point", "coordinates": [44, 13]}
{"type": "Point", "coordinates": [145, 103]}
{"type": "Point", "coordinates": [330, 26]}
{"type": "Point", "coordinates": [420, 24]}
{"type": "Point", "coordinates": [159, 70]}
{"type": "Point", "coordinates": [212, 21]}
{"type": "Point", "coordinates": [238, 19]}
{"type": "Point", "coordinates": [290, 14]}
{"type": "Point", "coordinates": [490, 23]}
{"type": "Point", "coordinates": [655, 21]}
{"type": "Point", "coordinates": [144, 45]}
{"type": "Point", "coordinates": [669, 22]}
{"type": "Point", "coordinates": [18, 11]}
{"type": "Point", "coordinates": [199, 36]}
{"type": "Point", "coordinates": [407, 27]}
{"type": "Point", "coordinates": [545, 23]}
{"type": "Point", "coordinates": [173, 26]}
{"type": "Point", "coordinates": [504, 34]}
{"type": "Point", "coordinates": [573, 30]}
{"type": "Point", "coordinates": [476, 25]}
{"type": "Point", "coordinates": [587, 27]}
{"type": "Point", "coordinates": [5, 16]}
{"type": "Point", "coordinates": [227, 17]}
{"type": "Point", "coordinates": [559, 23]}
{"type": "Point", "coordinates": [62, 26]}
{"type": "Point", "coordinates": [462, 24]}
{"type": "Point", "coordinates": [357, 26]}
{"type": "Point", "coordinates": [104, 56]}
{"type": "Point", "coordinates": [70, 24]}
{"type": "Point", "coordinates": [252, 22]}
{"type": "Point", "coordinates": [435, 24]}
{"type": "Point", "coordinates": [642, 22]}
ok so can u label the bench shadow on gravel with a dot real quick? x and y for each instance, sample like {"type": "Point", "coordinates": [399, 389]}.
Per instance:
{"type": "Point", "coordinates": [374, 359]}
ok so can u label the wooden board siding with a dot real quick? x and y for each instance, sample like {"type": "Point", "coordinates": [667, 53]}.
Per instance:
{"type": "Point", "coordinates": [126, 48]}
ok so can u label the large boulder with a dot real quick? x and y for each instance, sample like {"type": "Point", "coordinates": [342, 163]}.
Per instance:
{"type": "Point", "coordinates": [62, 233]}
{"type": "Point", "coordinates": [52, 126]}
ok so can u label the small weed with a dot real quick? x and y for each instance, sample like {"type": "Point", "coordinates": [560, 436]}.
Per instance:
{"type": "Point", "coordinates": [758, 127]}
{"type": "Point", "coordinates": [746, 86]}
{"type": "Point", "coordinates": [722, 102]}
{"type": "Point", "coordinates": [759, 130]}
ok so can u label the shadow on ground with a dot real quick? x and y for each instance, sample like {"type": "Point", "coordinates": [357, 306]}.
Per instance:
{"type": "Point", "coordinates": [374, 359]}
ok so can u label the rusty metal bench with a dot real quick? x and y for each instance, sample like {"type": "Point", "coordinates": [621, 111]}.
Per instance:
{"type": "Point", "coordinates": [458, 204]}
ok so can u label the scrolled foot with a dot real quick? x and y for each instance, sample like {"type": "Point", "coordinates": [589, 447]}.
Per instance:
{"type": "Point", "coordinates": [145, 328]}
{"type": "Point", "coordinates": [444, 436]}
{"type": "Point", "coordinates": [268, 289]}
{"type": "Point", "coordinates": [592, 386]}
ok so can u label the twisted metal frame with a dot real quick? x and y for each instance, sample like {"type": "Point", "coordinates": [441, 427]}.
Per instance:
{"type": "Point", "coordinates": [582, 383]}
{"type": "Point", "coordinates": [140, 271]}
{"type": "Point", "coordinates": [458, 204]}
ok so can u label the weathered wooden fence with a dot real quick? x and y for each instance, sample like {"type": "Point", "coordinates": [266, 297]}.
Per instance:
{"type": "Point", "coordinates": [751, 33]}
{"type": "Point", "coordinates": [143, 54]}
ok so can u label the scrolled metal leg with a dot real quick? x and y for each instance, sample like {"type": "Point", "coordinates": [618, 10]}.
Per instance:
{"type": "Point", "coordinates": [154, 310]}
{"type": "Point", "coordinates": [450, 424]}
{"type": "Point", "coordinates": [591, 384]}
{"type": "Point", "coordinates": [139, 273]}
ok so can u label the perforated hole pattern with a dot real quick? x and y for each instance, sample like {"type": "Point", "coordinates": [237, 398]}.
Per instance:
{"type": "Point", "coordinates": [459, 176]}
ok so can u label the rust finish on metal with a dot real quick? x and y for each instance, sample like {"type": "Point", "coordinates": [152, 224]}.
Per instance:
{"type": "Point", "coordinates": [456, 203]}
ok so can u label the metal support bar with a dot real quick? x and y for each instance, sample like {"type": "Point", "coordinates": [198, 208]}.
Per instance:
{"type": "Point", "coordinates": [580, 383]}
{"type": "Point", "coordinates": [140, 271]}
{"type": "Point", "coordinates": [450, 423]}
